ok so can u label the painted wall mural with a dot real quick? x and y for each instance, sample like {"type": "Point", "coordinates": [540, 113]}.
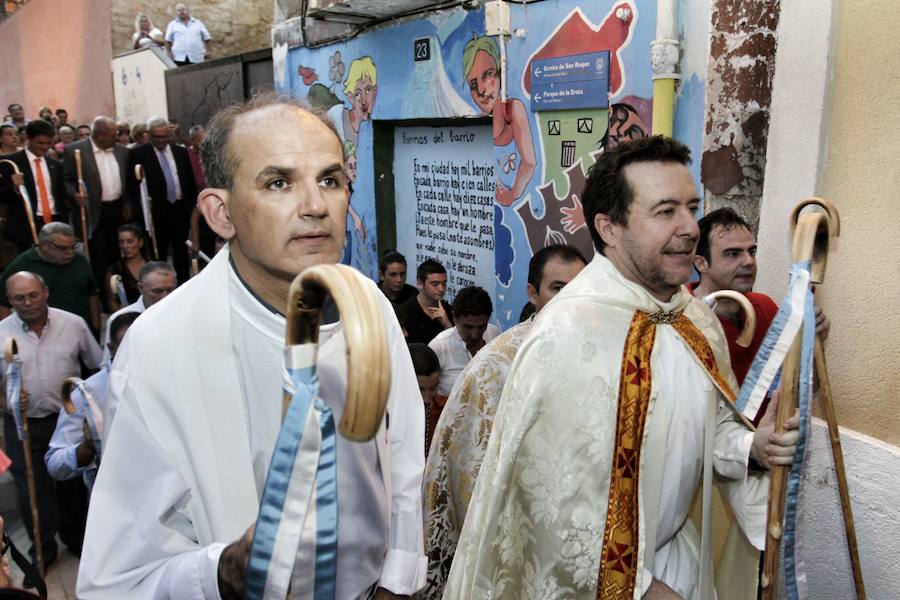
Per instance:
{"type": "Point", "coordinates": [442, 66]}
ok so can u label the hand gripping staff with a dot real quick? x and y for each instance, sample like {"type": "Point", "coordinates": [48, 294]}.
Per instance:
{"type": "Point", "coordinates": [146, 206]}
{"type": "Point", "coordinates": [82, 190]}
{"type": "Point", "coordinates": [13, 397]}
{"type": "Point", "coordinates": [26, 200]}
{"type": "Point", "coordinates": [84, 402]}
{"type": "Point", "coordinates": [295, 541]}
{"type": "Point", "coordinates": [809, 254]}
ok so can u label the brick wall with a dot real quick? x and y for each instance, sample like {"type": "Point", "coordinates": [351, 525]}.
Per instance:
{"type": "Point", "coordinates": [235, 25]}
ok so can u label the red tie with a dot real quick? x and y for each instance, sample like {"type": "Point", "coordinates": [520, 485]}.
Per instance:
{"type": "Point", "coordinates": [42, 192]}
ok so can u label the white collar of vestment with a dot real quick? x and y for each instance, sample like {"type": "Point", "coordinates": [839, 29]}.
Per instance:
{"type": "Point", "coordinates": [263, 317]}
{"type": "Point", "coordinates": [602, 277]}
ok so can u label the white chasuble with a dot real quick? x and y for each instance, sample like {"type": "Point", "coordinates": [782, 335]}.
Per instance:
{"type": "Point", "coordinates": [537, 524]}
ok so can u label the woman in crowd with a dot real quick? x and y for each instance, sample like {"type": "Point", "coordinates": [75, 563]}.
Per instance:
{"type": "Point", "coordinates": [145, 34]}
{"type": "Point", "coordinates": [131, 249]}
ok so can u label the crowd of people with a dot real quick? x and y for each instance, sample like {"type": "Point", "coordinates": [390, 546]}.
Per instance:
{"type": "Point", "coordinates": [500, 469]}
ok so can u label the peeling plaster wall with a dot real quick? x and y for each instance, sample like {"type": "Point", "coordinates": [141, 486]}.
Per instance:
{"type": "Point", "coordinates": [742, 62]}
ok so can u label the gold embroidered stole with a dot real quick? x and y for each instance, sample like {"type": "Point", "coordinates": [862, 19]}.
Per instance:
{"type": "Point", "coordinates": [619, 555]}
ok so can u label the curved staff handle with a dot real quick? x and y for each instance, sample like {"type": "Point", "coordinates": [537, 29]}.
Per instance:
{"type": "Point", "coordinates": [82, 189]}
{"type": "Point", "coordinates": [811, 233]}
{"type": "Point", "coordinates": [147, 207]}
{"type": "Point", "coordinates": [833, 219]}
{"type": "Point", "coordinates": [68, 387]}
{"type": "Point", "coordinates": [23, 193]}
{"type": "Point", "coordinates": [10, 353]}
{"type": "Point", "coordinates": [368, 358]}
{"type": "Point", "coordinates": [746, 336]}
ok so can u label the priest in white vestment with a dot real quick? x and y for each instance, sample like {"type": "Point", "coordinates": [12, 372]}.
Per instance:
{"type": "Point", "coordinates": [462, 433]}
{"type": "Point", "coordinates": [616, 411]}
{"type": "Point", "coordinates": [198, 389]}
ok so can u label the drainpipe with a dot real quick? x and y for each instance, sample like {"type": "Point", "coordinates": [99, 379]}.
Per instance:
{"type": "Point", "coordinates": [664, 60]}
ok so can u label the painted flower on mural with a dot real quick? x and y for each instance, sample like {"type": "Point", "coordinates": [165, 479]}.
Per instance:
{"type": "Point", "coordinates": [308, 75]}
{"type": "Point", "coordinates": [335, 69]}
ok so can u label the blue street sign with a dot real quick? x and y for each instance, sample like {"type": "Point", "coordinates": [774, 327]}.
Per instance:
{"type": "Point", "coordinates": [574, 81]}
{"type": "Point", "coordinates": [565, 96]}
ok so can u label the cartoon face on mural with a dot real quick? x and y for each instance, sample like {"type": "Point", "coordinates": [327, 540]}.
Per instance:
{"type": "Point", "coordinates": [625, 124]}
{"type": "Point", "coordinates": [360, 89]}
{"type": "Point", "coordinates": [482, 72]}
{"type": "Point", "coordinates": [514, 148]}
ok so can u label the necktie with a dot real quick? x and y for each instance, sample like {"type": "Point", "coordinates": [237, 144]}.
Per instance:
{"type": "Point", "coordinates": [167, 173]}
{"type": "Point", "coordinates": [42, 192]}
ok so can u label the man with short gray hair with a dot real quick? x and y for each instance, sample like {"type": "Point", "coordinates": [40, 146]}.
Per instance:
{"type": "Point", "coordinates": [170, 183]}
{"type": "Point", "coordinates": [187, 39]}
{"type": "Point", "coordinates": [155, 281]}
{"type": "Point", "coordinates": [67, 273]}
{"type": "Point", "coordinates": [104, 194]}
{"type": "Point", "coordinates": [52, 344]}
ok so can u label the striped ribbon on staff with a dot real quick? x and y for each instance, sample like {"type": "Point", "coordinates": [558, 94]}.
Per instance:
{"type": "Point", "coordinates": [796, 314]}
{"type": "Point", "coordinates": [13, 390]}
{"type": "Point", "coordinates": [297, 522]}
{"type": "Point", "coordinates": [765, 369]}
{"type": "Point", "coordinates": [85, 403]}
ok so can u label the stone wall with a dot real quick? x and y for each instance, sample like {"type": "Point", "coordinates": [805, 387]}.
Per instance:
{"type": "Point", "coordinates": [236, 26]}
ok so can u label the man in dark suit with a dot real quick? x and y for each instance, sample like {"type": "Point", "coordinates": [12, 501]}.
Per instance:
{"type": "Point", "coordinates": [43, 179]}
{"type": "Point", "coordinates": [170, 183]}
{"type": "Point", "coordinates": [103, 167]}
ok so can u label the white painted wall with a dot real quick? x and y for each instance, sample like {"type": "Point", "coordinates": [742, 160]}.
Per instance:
{"type": "Point", "coordinates": [139, 84]}
{"type": "Point", "coordinates": [873, 473]}
{"type": "Point", "coordinates": [799, 145]}
{"type": "Point", "coordinates": [795, 156]}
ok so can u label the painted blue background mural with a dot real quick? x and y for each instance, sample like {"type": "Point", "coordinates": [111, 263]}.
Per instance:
{"type": "Point", "coordinates": [540, 158]}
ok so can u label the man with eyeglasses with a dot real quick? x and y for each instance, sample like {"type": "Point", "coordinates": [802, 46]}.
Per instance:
{"type": "Point", "coordinates": [52, 344]}
{"type": "Point", "coordinates": [67, 273]}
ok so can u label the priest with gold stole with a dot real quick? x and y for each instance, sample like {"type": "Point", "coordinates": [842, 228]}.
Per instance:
{"type": "Point", "coordinates": [617, 411]}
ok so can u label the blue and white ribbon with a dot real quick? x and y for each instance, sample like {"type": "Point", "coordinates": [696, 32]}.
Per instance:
{"type": "Point", "coordinates": [795, 315]}
{"type": "Point", "coordinates": [764, 371]}
{"type": "Point", "coordinates": [295, 542]}
{"type": "Point", "coordinates": [13, 390]}
{"type": "Point", "coordinates": [85, 404]}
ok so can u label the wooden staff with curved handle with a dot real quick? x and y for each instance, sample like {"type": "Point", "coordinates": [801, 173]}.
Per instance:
{"type": "Point", "coordinates": [147, 208]}
{"type": "Point", "coordinates": [23, 193]}
{"type": "Point", "coordinates": [82, 190]}
{"type": "Point", "coordinates": [368, 356]}
{"type": "Point", "coordinates": [10, 352]}
{"type": "Point", "coordinates": [827, 404]}
{"type": "Point", "coordinates": [745, 337]}
{"type": "Point", "coordinates": [811, 232]}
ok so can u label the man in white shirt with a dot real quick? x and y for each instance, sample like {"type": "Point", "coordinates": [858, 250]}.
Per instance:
{"type": "Point", "coordinates": [197, 386]}
{"type": "Point", "coordinates": [187, 39]}
{"type": "Point", "coordinates": [105, 193]}
{"type": "Point", "coordinates": [455, 347]}
{"type": "Point", "coordinates": [51, 342]}
{"type": "Point", "coordinates": [72, 452]}
{"type": "Point", "coordinates": [156, 280]}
